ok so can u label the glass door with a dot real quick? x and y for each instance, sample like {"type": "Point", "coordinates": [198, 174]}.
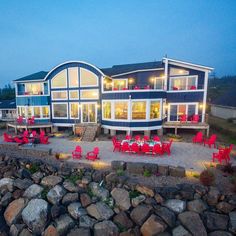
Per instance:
{"type": "Point", "coordinates": [89, 113]}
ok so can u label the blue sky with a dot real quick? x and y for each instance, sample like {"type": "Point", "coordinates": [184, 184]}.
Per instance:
{"type": "Point", "coordinates": [38, 35]}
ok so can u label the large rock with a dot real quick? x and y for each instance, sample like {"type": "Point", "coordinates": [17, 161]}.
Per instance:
{"type": "Point", "coordinates": [123, 220]}
{"type": "Point", "coordinates": [121, 197]}
{"type": "Point", "coordinates": [192, 222]}
{"type": "Point", "coordinates": [15, 229]}
{"type": "Point", "coordinates": [180, 231]}
{"type": "Point", "coordinates": [100, 211]}
{"type": "Point", "coordinates": [163, 169]}
{"type": "Point", "coordinates": [145, 190]}
{"type": "Point", "coordinates": [63, 224]}
{"type": "Point", "coordinates": [197, 205]}
{"type": "Point", "coordinates": [186, 191]}
{"type": "Point", "coordinates": [13, 211]}
{"type": "Point", "coordinates": [22, 183]}
{"type": "Point", "coordinates": [85, 199]}
{"type": "Point", "coordinates": [118, 165]}
{"type": "Point", "coordinates": [215, 221]}
{"type": "Point", "coordinates": [137, 200]}
{"type": "Point", "coordinates": [140, 213]}
{"type": "Point", "coordinates": [220, 233]}
{"type": "Point", "coordinates": [69, 186]}
{"type": "Point", "coordinates": [213, 196]}
{"type": "Point", "coordinates": [50, 231]}
{"type": "Point", "coordinates": [106, 228]}
{"type": "Point", "coordinates": [168, 192]}
{"type": "Point", "coordinates": [37, 176]}
{"type": "Point", "coordinates": [51, 180]}
{"type": "Point", "coordinates": [35, 215]}
{"type": "Point", "coordinates": [6, 183]}
{"type": "Point", "coordinates": [33, 191]}
{"type": "Point", "coordinates": [86, 222]}
{"type": "Point", "coordinates": [75, 210]}
{"type": "Point", "coordinates": [98, 191]}
{"type": "Point", "coordinates": [153, 226]}
{"type": "Point", "coordinates": [57, 210]}
{"type": "Point", "coordinates": [79, 231]}
{"type": "Point", "coordinates": [55, 195]}
{"type": "Point", "coordinates": [6, 199]}
{"type": "Point", "coordinates": [232, 216]}
{"type": "Point", "coordinates": [70, 197]}
{"type": "Point", "coordinates": [175, 205]}
{"type": "Point", "coordinates": [225, 207]}
{"type": "Point", "coordinates": [167, 215]}
{"type": "Point", "coordinates": [176, 171]}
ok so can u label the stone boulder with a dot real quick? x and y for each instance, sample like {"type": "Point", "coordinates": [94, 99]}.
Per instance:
{"type": "Point", "coordinates": [123, 220]}
{"type": "Point", "coordinates": [145, 190]}
{"type": "Point", "coordinates": [63, 224]}
{"type": "Point", "coordinates": [100, 211]}
{"type": "Point", "coordinates": [75, 210]}
{"type": "Point", "coordinates": [197, 205]}
{"type": "Point", "coordinates": [220, 233]}
{"type": "Point", "coordinates": [121, 197]}
{"type": "Point", "coordinates": [22, 183]}
{"type": "Point", "coordinates": [51, 180]}
{"type": "Point", "coordinates": [232, 216]}
{"type": "Point", "coordinates": [6, 183]}
{"type": "Point", "coordinates": [85, 199]}
{"type": "Point", "coordinates": [140, 213]}
{"type": "Point", "coordinates": [225, 207]}
{"type": "Point", "coordinates": [33, 191]}
{"type": "Point", "coordinates": [79, 231]}
{"type": "Point", "coordinates": [167, 215]}
{"type": "Point", "coordinates": [106, 228]}
{"type": "Point", "coordinates": [214, 221]}
{"type": "Point", "coordinates": [175, 205]}
{"type": "Point", "coordinates": [86, 222]}
{"type": "Point", "coordinates": [35, 215]}
{"type": "Point", "coordinates": [70, 197]}
{"type": "Point", "coordinates": [213, 196]}
{"type": "Point", "coordinates": [137, 200]}
{"type": "Point", "coordinates": [6, 199]}
{"type": "Point", "coordinates": [118, 165]}
{"type": "Point", "coordinates": [69, 186]}
{"type": "Point", "coordinates": [37, 176]}
{"type": "Point", "coordinates": [57, 210]}
{"type": "Point", "coordinates": [55, 195]}
{"type": "Point", "coordinates": [180, 231]}
{"type": "Point", "coordinates": [50, 231]}
{"type": "Point", "coordinates": [98, 191]}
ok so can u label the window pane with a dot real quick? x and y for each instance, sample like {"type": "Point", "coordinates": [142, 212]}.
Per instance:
{"type": "Point", "coordinates": [74, 110]}
{"type": "Point", "coordinates": [121, 110]}
{"type": "Point", "coordinates": [107, 110]}
{"type": "Point", "coordinates": [138, 110]}
{"type": "Point", "coordinates": [59, 95]}
{"type": "Point", "coordinates": [173, 112]}
{"type": "Point", "coordinates": [89, 94]}
{"type": "Point", "coordinates": [88, 78]}
{"type": "Point", "coordinates": [33, 89]}
{"type": "Point", "coordinates": [176, 71]}
{"type": "Point", "coordinates": [30, 111]}
{"type": "Point", "coordinates": [60, 110]}
{"type": "Point", "coordinates": [191, 110]}
{"type": "Point", "coordinates": [45, 112]}
{"type": "Point", "coordinates": [159, 83]}
{"type": "Point", "coordinates": [22, 111]}
{"type": "Point", "coordinates": [155, 110]}
{"type": "Point", "coordinates": [191, 82]}
{"type": "Point", "coordinates": [119, 83]}
{"type": "Point", "coordinates": [73, 77]}
{"type": "Point", "coordinates": [59, 80]}
{"type": "Point", "coordinates": [74, 95]}
{"type": "Point", "coordinates": [37, 112]}
{"type": "Point", "coordinates": [179, 83]}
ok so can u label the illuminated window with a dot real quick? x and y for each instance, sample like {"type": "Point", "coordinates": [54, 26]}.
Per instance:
{"type": "Point", "coordinates": [60, 110]}
{"type": "Point", "coordinates": [89, 94]}
{"type": "Point", "coordinates": [107, 110]}
{"type": "Point", "coordinates": [59, 80]}
{"type": "Point", "coordinates": [73, 77]}
{"type": "Point", "coordinates": [121, 110]}
{"type": "Point", "coordinates": [74, 110]}
{"type": "Point", "coordinates": [158, 83]}
{"type": "Point", "coordinates": [34, 88]}
{"type": "Point", "coordinates": [184, 83]}
{"type": "Point", "coordinates": [29, 111]}
{"type": "Point", "coordinates": [139, 110]}
{"type": "Point", "coordinates": [74, 94]}
{"type": "Point", "coordinates": [120, 83]}
{"type": "Point", "coordinates": [37, 112]}
{"type": "Point", "coordinates": [176, 71]}
{"type": "Point", "coordinates": [59, 95]}
{"type": "Point", "coordinates": [177, 110]}
{"type": "Point", "coordinates": [45, 112]}
{"type": "Point", "coordinates": [88, 78]}
{"type": "Point", "coordinates": [155, 110]}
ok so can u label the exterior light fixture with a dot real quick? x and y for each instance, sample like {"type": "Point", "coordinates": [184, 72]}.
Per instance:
{"type": "Point", "coordinates": [131, 80]}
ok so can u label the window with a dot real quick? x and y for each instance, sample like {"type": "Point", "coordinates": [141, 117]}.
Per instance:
{"type": "Point", "coordinates": [74, 94]}
{"type": "Point", "coordinates": [60, 110]}
{"type": "Point", "coordinates": [73, 77]}
{"type": "Point", "coordinates": [33, 89]}
{"type": "Point", "coordinates": [183, 83]}
{"type": "Point", "coordinates": [120, 83]}
{"type": "Point", "coordinates": [107, 110]}
{"type": "Point", "coordinates": [22, 111]}
{"type": "Point", "coordinates": [88, 78]}
{"type": "Point", "coordinates": [107, 84]}
{"type": "Point", "coordinates": [155, 110]}
{"type": "Point", "coordinates": [158, 83]}
{"type": "Point", "coordinates": [121, 110]}
{"type": "Point", "coordinates": [74, 110]}
{"type": "Point", "coordinates": [60, 80]}
{"type": "Point", "coordinates": [45, 112]}
{"type": "Point", "coordinates": [89, 94]}
{"type": "Point", "coordinates": [177, 71]}
{"type": "Point", "coordinates": [139, 110]}
{"type": "Point", "coordinates": [59, 95]}
{"type": "Point", "coordinates": [29, 111]}
{"type": "Point", "coordinates": [37, 112]}
{"type": "Point", "coordinates": [176, 110]}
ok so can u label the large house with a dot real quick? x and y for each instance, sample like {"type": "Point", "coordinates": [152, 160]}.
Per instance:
{"type": "Point", "coordinates": [8, 110]}
{"type": "Point", "coordinates": [130, 97]}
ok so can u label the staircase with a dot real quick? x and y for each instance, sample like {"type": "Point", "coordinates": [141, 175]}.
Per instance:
{"type": "Point", "coordinates": [87, 132]}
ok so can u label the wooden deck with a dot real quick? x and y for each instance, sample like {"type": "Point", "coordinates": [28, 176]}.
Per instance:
{"type": "Point", "coordinates": [187, 125]}
{"type": "Point", "coordinates": [17, 126]}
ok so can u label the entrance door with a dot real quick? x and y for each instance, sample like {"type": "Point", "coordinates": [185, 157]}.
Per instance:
{"type": "Point", "coordinates": [89, 113]}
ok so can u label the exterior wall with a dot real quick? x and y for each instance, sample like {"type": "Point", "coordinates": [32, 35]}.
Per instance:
{"type": "Point", "coordinates": [223, 112]}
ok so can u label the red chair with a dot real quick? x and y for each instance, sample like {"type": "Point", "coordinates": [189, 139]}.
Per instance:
{"type": "Point", "coordinates": [31, 120]}
{"type": "Point", "coordinates": [229, 149]}
{"type": "Point", "coordinates": [128, 137]}
{"type": "Point", "coordinates": [42, 133]}
{"type": "Point", "coordinates": [125, 89]}
{"type": "Point", "coordinates": [136, 87]}
{"type": "Point", "coordinates": [175, 88]}
{"type": "Point", "coordinates": [193, 87]}
{"type": "Point", "coordinates": [137, 138]}
{"type": "Point", "coordinates": [157, 149]}
{"type": "Point", "coordinates": [195, 119]}
{"type": "Point", "coordinates": [115, 88]}
{"type": "Point", "coordinates": [26, 133]}
{"type": "Point", "coordinates": [20, 120]}
{"type": "Point", "coordinates": [147, 87]}
{"type": "Point", "coordinates": [198, 138]}
{"type": "Point", "coordinates": [166, 147]}
{"type": "Point", "coordinates": [7, 138]}
{"type": "Point", "coordinates": [156, 139]}
{"type": "Point", "coordinates": [183, 118]}
{"type": "Point", "coordinates": [77, 153]}
{"type": "Point", "coordinates": [125, 147]}
{"type": "Point", "coordinates": [44, 140]}
{"type": "Point", "coordinates": [146, 138]}
{"type": "Point", "coordinates": [221, 155]}
{"type": "Point", "coordinates": [116, 144]}
{"type": "Point", "coordinates": [93, 155]}
{"type": "Point", "coordinates": [25, 140]}
{"type": "Point", "coordinates": [34, 133]}
{"type": "Point", "coordinates": [211, 141]}
{"type": "Point", "coordinates": [146, 149]}
{"type": "Point", "coordinates": [134, 148]}
{"type": "Point", "coordinates": [18, 140]}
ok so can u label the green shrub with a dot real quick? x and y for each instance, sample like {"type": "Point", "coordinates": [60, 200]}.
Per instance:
{"type": "Point", "coordinates": [134, 194]}
{"type": "Point", "coordinates": [45, 192]}
{"type": "Point", "coordinates": [33, 168]}
{"type": "Point", "coordinates": [147, 173]}
{"type": "Point", "coordinates": [75, 177]}
{"type": "Point", "coordinates": [120, 172]}
{"type": "Point", "coordinates": [196, 175]}
{"type": "Point", "coordinates": [207, 177]}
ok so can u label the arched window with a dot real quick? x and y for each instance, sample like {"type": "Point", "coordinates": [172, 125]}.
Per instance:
{"type": "Point", "coordinates": [88, 78]}
{"type": "Point", "coordinates": [59, 80]}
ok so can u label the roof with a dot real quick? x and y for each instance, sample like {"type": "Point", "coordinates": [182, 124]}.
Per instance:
{"type": "Point", "coordinates": [227, 99]}
{"type": "Point", "coordinates": [33, 77]}
{"type": "Point", "coordinates": [8, 104]}
{"type": "Point", "coordinates": [126, 68]}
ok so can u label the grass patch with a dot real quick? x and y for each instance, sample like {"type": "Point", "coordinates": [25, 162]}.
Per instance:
{"type": "Point", "coordinates": [134, 194]}
{"type": "Point", "coordinates": [74, 178]}
{"type": "Point", "coordinates": [120, 172]}
{"type": "Point", "coordinates": [33, 168]}
{"type": "Point", "coordinates": [147, 173]}
{"type": "Point", "coordinates": [90, 193]}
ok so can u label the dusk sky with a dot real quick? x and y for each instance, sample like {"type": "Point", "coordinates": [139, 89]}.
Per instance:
{"type": "Point", "coordinates": [38, 35]}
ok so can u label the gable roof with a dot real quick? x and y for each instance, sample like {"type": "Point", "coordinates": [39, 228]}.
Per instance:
{"type": "Point", "coordinates": [127, 68]}
{"type": "Point", "coordinates": [33, 77]}
{"type": "Point", "coordinates": [7, 104]}
{"type": "Point", "coordinates": [227, 99]}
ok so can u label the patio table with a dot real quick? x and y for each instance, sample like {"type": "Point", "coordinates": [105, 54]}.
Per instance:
{"type": "Point", "coordinates": [140, 143]}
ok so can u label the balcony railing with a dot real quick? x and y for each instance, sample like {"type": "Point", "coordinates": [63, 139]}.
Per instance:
{"type": "Point", "coordinates": [133, 87]}
{"type": "Point", "coordinates": [21, 93]}
{"type": "Point", "coordinates": [190, 87]}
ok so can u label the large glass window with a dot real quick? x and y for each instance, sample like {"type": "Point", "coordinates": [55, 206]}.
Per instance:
{"type": "Point", "coordinates": [33, 89]}
{"type": "Point", "coordinates": [37, 112]}
{"type": "Point", "coordinates": [88, 78]}
{"type": "Point", "coordinates": [184, 83]}
{"type": "Point", "coordinates": [139, 110]}
{"type": "Point", "coordinates": [177, 110]}
{"type": "Point", "coordinates": [73, 77]}
{"type": "Point", "coordinates": [59, 95]}
{"type": "Point", "coordinates": [120, 84]}
{"type": "Point", "coordinates": [107, 110]}
{"type": "Point", "coordinates": [74, 94]}
{"type": "Point", "coordinates": [29, 111]}
{"type": "Point", "coordinates": [60, 110]}
{"type": "Point", "coordinates": [158, 83]}
{"type": "Point", "coordinates": [177, 71]}
{"type": "Point", "coordinates": [60, 80]}
{"type": "Point", "coordinates": [74, 110]}
{"type": "Point", "coordinates": [45, 112]}
{"type": "Point", "coordinates": [121, 110]}
{"type": "Point", "coordinates": [89, 94]}
{"type": "Point", "coordinates": [155, 110]}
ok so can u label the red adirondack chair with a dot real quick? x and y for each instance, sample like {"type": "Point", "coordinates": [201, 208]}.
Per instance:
{"type": "Point", "coordinates": [211, 141]}
{"type": "Point", "coordinates": [137, 138]}
{"type": "Point", "coordinates": [125, 147]}
{"type": "Point", "coordinates": [229, 149]}
{"type": "Point", "coordinates": [157, 149]}
{"type": "Point", "coordinates": [34, 133]}
{"type": "Point", "coordinates": [20, 120]}
{"type": "Point", "coordinates": [116, 144]}
{"type": "Point", "coordinates": [128, 137]}
{"type": "Point", "coordinates": [25, 140]}
{"type": "Point", "coordinates": [146, 149]}
{"type": "Point", "coordinates": [198, 138]}
{"type": "Point", "coordinates": [44, 140]}
{"type": "Point", "coordinates": [125, 89]}
{"type": "Point", "coordinates": [18, 140]}
{"type": "Point", "coordinates": [77, 153]}
{"type": "Point", "coordinates": [183, 118]}
{"type": "Point", "coordinates": [195, 119]}
{"type": "Point", "coordinates": [156, 139]}
{"type": "Point", "coordinates": [31, 120]}
{"type": "Point", "coordinates": [42, 133]}
{"type": "Point", "coordinates": [147, 87]}
{"type": "Point", "coordinates": [146, 138]}
{"type": "Point", "coordinates": [93, 155]}
{"type": "Point", "coordinates": [221, 155]}
{"type": "Point", "coordinates": [26, 133]}
{"type": "Point", "coordinates": [166, 147]}
{"type": "Point", "coordinates": [7, 138]}
{"type": "Point", "coordinates": [175, 88]}
{"type": "Point", "coordinates": [134, 148]}
{"type": "Point", "coordinates": [193, 87]}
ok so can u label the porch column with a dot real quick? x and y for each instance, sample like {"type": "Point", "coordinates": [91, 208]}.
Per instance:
{"type": "Point", "coordinates": [112, 132]}
{"type": "Point", "coordinates": [128, 132]}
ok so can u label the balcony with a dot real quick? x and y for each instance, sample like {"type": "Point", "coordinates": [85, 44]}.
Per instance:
{"type": "Point", "coordinates": [30, 93]}
{"type": "Point", "coordinates": [177, 88]}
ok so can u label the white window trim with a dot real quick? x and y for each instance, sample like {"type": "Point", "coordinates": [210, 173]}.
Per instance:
{"type": "Point", "coordinates": [59, 99]}
{"type": "Point", "coordinates": [70, 98]}
{"type": "Point", "coordinates": [56, 117]}
{"type": "Point", "coordinates": [81, 98]}
{"type": "Point", "coordinates": [34, 95]}
{"type": "Point", "coordinates": [73, 118]}
{"type": "Point", "coordinates": [70, 68]}
{"type": "Point", "coordinates": [147, 110]}
{"type": "Point", "coordinates": [52, 87]}
{"type": "Point", "coordinates": [113, 110]}
{"type": "Point", "coordinates": [41, 112]}
{"type": "Point", "coordinates": [184, 90]}
{"type": "Point", "coordinates": [81, 111]}
{"type": "Point", "coordinates": [84, 86]}
{"type": "Point", "coordinates": [161, 111]}
{"type": "Point", "coordinates": [103, 101]}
